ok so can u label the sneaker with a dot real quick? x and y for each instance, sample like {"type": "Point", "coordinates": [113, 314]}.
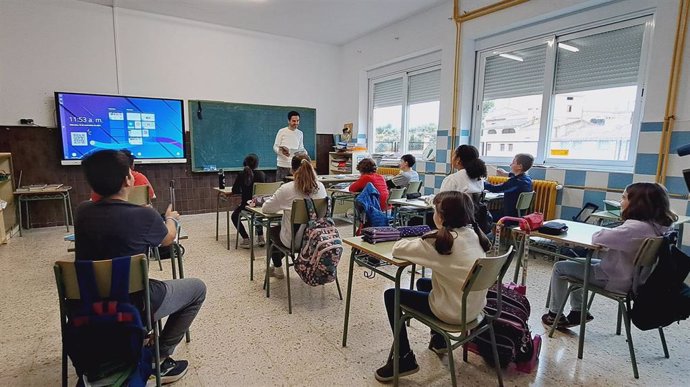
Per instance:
{"type": "Point", "coordinates": [437, 344]}
{"type": "Point", "coordinates": [171, 371]}
{"type": "Point", "coordinates": [408, 366]}
{"type": "Point", "coordinates": [549, 318]}
{"type": "Point", "coordinates": [276, 272]}
{"type": "Point", "coordinates": [574, 318]}
{"type": "Point", "coordinates": [245, 243]}
{"type": "Point", "coordinates": [262, 241]}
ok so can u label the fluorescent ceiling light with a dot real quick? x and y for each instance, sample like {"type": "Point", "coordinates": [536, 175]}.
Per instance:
{"type": "Point", "coordinates": [568, 47]}
{"type": "Point", "coordinates": [511, 56]}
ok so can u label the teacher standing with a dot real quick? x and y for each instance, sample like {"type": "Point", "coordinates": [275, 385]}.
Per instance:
{"type": "Point", "coordinates": [289, 140]}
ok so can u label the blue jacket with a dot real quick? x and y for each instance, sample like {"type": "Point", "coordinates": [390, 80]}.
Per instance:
{"type": "Point", "coordinates": [369, 200]}
{"type": "Point", "coordinates": [511, 188]}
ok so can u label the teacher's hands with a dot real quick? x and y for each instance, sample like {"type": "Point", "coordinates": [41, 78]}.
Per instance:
{"type": "Point", "coordinates": [284, 150]}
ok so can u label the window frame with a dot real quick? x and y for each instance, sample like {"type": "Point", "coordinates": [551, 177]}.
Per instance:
{"type": "Point", "coordinates": [405, 70]}
{"type": "Point", "coordinates": [548, 95]}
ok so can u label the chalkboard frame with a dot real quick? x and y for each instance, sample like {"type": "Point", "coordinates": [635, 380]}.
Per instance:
{"type": "Point", "coordinates": [196, 123]}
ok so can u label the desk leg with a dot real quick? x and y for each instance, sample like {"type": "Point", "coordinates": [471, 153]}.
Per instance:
{"type": "Point", "coordinates": [227, 227]}
{"type": "Point", "coordinates": [69, 205]}
{"type": "Point", "coordinates": [251, 247]}
{"type": "Point", "coordinates": [268, 258]}
{"type": "Point", "coordinates": [173, 259]}
{"type": "Point", "coordinates": [348, 297]}
{"type": "Point", "coordinates": [397, 326]}
{"type": "Point", "coordinates": [217, 213]}
{"type": "Point", "coordinates": [19, 207]}
{"type": "Point", "coordinates": [64, 204]}
{"type": "Point", "coordinates": [584, 310]}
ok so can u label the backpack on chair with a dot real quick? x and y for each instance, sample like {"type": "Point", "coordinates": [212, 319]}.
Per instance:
{"type": "Point", "coordinates": [321, 248]}
{"type": "Point", "coordinates": [104, 338]}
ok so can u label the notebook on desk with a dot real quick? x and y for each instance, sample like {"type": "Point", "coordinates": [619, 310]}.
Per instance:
{"type": "Point", "coordinates": [612, 207]}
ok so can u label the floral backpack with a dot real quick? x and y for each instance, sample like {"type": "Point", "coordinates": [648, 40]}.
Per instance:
{"type": "Point", "coordinates": [321, 248]}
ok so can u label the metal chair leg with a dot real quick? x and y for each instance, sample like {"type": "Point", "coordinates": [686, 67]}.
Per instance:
{"type": "Point", "coordinates": [64, 367]}
{"type": "Point", "coordinates": [560, 310]}
{"type": "Point", "coordinates": [287, 277]}
{"type": "Point", "coordinates": [340, 293]}
{"type": "Point", "coordinates": [451, 361]}
{"type": "Point", "coordinates": [494, 349]}
{"type": "Point", "coordinates": [626, 319]}
{"type": "Point", "coordinates": [663, 342]}
{"type": "Point", "coordinates": [620, 317]}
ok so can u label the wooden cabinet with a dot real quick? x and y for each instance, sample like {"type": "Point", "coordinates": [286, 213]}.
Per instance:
{"type": "Point", "coordinates": [344, 163]}
{"type": "Point", "coordinates": [9, 214]}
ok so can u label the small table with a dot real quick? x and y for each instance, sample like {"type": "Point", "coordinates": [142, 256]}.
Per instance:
{"type": "Point", "coordinates": [328, 180]}
{"type": "Point", "coordinates": [47, 193]}
{"type": "Point", "coordinates": [256, 215]}
{"type": "Point", "coordinates": [384, 252]}
{"type": "Point", "coordinates": [604, 216]}
{"type": "Point", "coordinates": [578, 235]}
{"type": "Point", "coordinates": [223, 193]}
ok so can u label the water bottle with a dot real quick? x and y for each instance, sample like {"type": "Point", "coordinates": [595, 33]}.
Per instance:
{"type": "Point", "coordinates": [221, 179]}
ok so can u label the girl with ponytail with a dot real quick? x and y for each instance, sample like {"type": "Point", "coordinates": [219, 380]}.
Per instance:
{"type": "Point", "coordinates": [305, 185]}
{"type": "Point", "coordinates": [450, 252]}
{"type": "Point", "coordinates": [244, 185]}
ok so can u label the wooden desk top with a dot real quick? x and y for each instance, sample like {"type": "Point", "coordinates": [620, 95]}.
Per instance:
{"type": "Point", "coordinates": [382, 251]}
{"type": "Point", "coordinates": [579, 234]}
{"type": "Point", "coordinates": [332, 178]}
{"type": "Point", "coordinates": [418, 203]}
{"type": "Point", "coordinates": [48, 190]}
{"type": "Point", "coordinates": [259, 211]}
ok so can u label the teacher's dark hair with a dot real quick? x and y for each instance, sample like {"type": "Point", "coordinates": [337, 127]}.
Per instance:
{"type": "Point", "coordinates": [106, 171]}
{"type": "Point", "coordinates": [305, 176]}
{"type": "Point", "coordinates": [648, 202]}
{"type": "Point", "coordinates": [291, 114]}
{"type": "Point", "coordinates": [251, 162]}
{"type": "Point", "coordinates": [457, 211]}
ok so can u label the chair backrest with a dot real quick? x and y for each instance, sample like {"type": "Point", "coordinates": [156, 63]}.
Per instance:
{"type": "Point", "coordinates": [585, 212]}
{"type": "Point", "coordinates": [524, 203]}
{"type": "Point", "coordinates": [139, 195]}
{"type": "Point", "coordinates": [396, 193]}
{"type": "Point", "coordinates": [68, 287]}
{"type": "Point", "coordinates": [486, 272]}
{"type": "Point", "coordinates": [299, 213]}
{"type": "Point", "coordinates": [648, 251]}
{"type": "Point", "coordinates": [414, 187]}
{"type": "Point", "coordinates": [266, 188]}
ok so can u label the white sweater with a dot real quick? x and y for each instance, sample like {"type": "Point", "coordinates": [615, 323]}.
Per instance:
{"type": "Point", "coordinates": [291, 139]}
{"type": "Point", "coordinates": [459, 181]}
{"type": "Point", "coordinates": [282, 200]}
{"type": "Point", "coordinates": [450, 272]}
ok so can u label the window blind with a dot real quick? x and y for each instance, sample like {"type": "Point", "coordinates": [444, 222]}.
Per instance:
{"type": "Point", "coordinates": [424, 87]}
{"type": "Point", "coordinates": [388, 93]}
{"type": "Point", "coordinates": [505, 78]}
{"type": "Point", "coordinates": [605, 60]}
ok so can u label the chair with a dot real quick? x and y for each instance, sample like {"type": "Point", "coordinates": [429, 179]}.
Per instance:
{"type": "Point", "coordinates": [645, 257]}
{"type": "Point", "coordinates": [485, 272]}
{"type": "Point", "coordinates": [395, 193]}
{"type": "Point", "coordinates": [139, 195]}
{"type": "Point", "coordinates": [68, 290]}
{"type": "Point", "coordinates": [258, 189]}
{"type": "Point", "coordinates": [414, 187]}
{"type": "Point", "coordinates": [298, 217]}
{"type": "Point", "coordinates": [525, 203]}
{"type": "Point", "coordinates": [585, 212]}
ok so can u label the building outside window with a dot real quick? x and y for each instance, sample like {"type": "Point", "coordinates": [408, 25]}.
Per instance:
{"type": "Point", "coordinates": [569, 99]}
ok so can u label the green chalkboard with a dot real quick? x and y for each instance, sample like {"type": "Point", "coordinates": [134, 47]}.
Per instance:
{"type": "Point", "coordinates": [223, 133]}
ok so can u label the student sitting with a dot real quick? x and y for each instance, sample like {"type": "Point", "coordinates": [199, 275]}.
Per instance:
{"type": "Point", "coordinates": [139, 178]}
{"type": "Point", "coordinates": [407, 175]}
{"type": "Point", "coordinates": [646, 213]}
{"type": "Point", "coordinates": [244, 184]}
{"type": "Point", "coordinates": [450, 252]}
{"type": "Point", "coordinates": [305, 185]}
{"type": "Point", "coordinates": [518, 183]}
{"type": "Point", "coordinates": [367, 168]}
{"type": "Point", "coordinates": [471, 171]}
{"type": "Point", "coordinates": [112, 228]}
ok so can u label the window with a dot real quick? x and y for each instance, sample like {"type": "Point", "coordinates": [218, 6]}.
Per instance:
{"type": "Point", "coordinates": [569, 99]}
{"type": "Point", "coordinates": [404, 110]}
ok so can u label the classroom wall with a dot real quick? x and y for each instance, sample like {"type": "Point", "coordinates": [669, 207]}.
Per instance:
{"type": "Point", "coordinates": [67, 45]}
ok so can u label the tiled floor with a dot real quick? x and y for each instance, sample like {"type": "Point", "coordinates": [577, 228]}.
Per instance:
{"type": "Point", "coordinates": [242, 338]}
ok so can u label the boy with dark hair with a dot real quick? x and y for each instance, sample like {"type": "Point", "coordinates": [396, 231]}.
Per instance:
{"type": "Point", "coordinates": [517, 183]}
{"type": "Point", "coordinates": [406, 175]}
{"type": "Point", "coordinates": [112, 228]}
{"type": "Point", "coordinates": [139, 178]}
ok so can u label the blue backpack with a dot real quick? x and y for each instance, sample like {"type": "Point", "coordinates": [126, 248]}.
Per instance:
{"type": "Point", "coordinates": [104, 337]}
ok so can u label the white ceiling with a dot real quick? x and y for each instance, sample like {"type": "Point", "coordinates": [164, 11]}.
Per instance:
{"type": "Point", "coordinates": [326, 21]}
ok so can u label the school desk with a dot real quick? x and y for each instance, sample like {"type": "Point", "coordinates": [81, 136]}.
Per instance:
{"type": "Point", "coordinates": [223, 194]}
{"type": "Point", "coordinates": [329, 180]}
{"type": "Point", "coordinates": [50, 192]}
{"type": "Point", "coordinates": [604, 216]}
{"type": "Point", "coordinates": [258, 216]}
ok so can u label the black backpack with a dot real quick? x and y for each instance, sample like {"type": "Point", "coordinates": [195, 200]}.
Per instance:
{"type": "Point", "coordinates": [481, 213]}
{"type": "Point", "coordinates": [105, 337]}
{"type": "Point", "coordinates": [664, 297]}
